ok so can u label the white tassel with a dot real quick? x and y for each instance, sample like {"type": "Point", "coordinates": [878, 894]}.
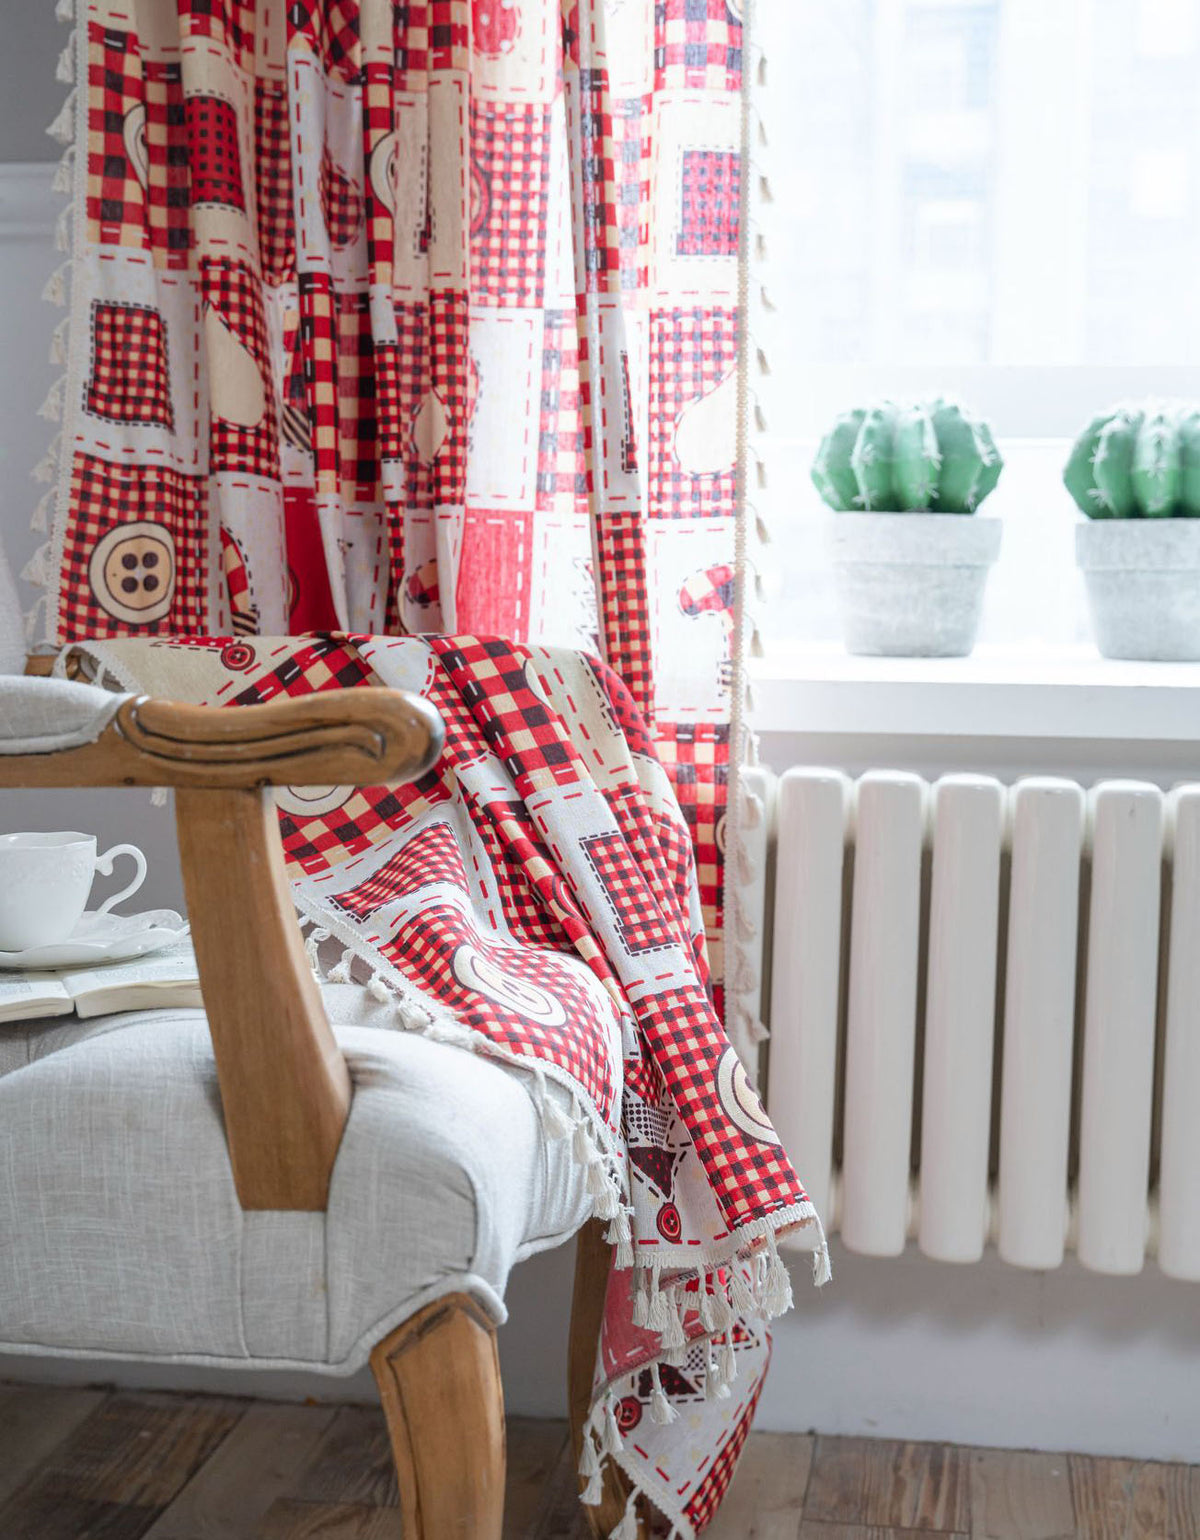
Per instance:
{"type": "Point", "coordinates": [63, 127]}
{"type": "Point", "coordinates": [715, 1388]}
{"type": "Point", "coordinates": [657, 1308]}
{"type": "Point", "coordinates": [743, 1301]}
{"type": "Point", "coordinates": [58, 342]}
{"type": "Point", "coordinates": [723, 1312]}
{"type": "Point", "coordinates": [46, 468]}
{"type": "Point", "coordinates": [661, 1410]}
{"type": "Point", "coordinates": [378, 990]}
{"type": "Point", "coordinates": [40, 522]}
{"type": "Point", "coordinates": [65, 10]}
{"type": "Point", "coordinates": [64, 171]}
{"type": "Point", "coordinates": [744, 866]}
{"type": "Point", "coordinates": [582, 1146]}
{"type": "Point", "coordinates": [35, 570]}
{"type": "Point", "coordinates": [62, 230]}
{"type": "Point", "coordinates": [822, 1270]}
{"type": "Point", "coordinates": [597, 1184]}
{"type": "Point", "coordinates": [340, 972]}
{"type": "Point", "coordinates": [554, 1120]}
{"type": "Point", "coordinates": [589, 1469]}
{"type": "Point", "coordinates": [608, 1200]}
{"type": "Point", "coordinates": [673, 1336]}
{"type": "Point", "coordinates": [627, 1529]}
{"type": "Point", "coordinates": [64, 70]}
{"type": "Point", "coordinates": [729, 1368]}
{"type": "Point", "coordinates": [762, 529]}
{"type": "Point", "coordinates": [55, 292]}
{"type": "Point", "coordinates": [641, 1307]}
{"type": "Point", "coordinates": [158, 797]}
{"type": "Point", "coordinates": [620, 1235]}
{"type": "Point", "coordinates": [611, 1441]}
{"type": "Point", "coordinates": [312, 949]}
{"type": "Point", "coordinates": [704, 1303]}
{"type": "Point", "coordinates": [777, 1283]}
{"type": "Point", "coordinates": [51, 407]}
{"type": "Point", "coordinates": [757, 1031]}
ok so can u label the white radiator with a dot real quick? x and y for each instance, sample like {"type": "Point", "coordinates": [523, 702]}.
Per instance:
{"type": "Point", "coordinates": [985, 1015]}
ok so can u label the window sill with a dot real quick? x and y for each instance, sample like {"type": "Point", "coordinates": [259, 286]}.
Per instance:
{"type": "Point", "coordinates": [1069, 693]}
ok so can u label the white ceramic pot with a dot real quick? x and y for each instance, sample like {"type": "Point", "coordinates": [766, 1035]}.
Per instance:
{"type": "Point", "coordinates": [1143, 586]}
{"type": "Point", "coordinates": [910, 585]}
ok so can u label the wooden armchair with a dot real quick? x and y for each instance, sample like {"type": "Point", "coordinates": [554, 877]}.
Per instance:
{"type": "Point", "coordinates": [295, 1147]}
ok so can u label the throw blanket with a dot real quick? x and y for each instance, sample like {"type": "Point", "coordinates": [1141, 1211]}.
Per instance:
{"type": "Point", "coordinates": [533, 898]}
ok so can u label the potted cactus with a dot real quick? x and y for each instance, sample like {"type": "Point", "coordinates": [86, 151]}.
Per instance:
{"type": "Point", "coordinates": [1135, 472]}
{"type": "Point", "coordinates": [910, 575]}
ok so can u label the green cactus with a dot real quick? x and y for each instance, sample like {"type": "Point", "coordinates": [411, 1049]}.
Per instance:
{"type": "Point", "coordinates": [929, 457]}
{"type": "Point", "coordinates": [1138, 463]}
{"type": "Point", "coordinates": [831, 469]}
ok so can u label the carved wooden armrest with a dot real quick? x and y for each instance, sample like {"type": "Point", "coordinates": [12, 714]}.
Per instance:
{"type": "Point", "coordinates": [340, 738]}
{"type": "Point", "coordinates": [285, 1089]}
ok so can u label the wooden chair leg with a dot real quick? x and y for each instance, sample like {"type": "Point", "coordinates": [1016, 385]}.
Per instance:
{"type": "Point", "coordinates": [439, 1380]}
{"type": "Point", "coordinates": [593, 1258]}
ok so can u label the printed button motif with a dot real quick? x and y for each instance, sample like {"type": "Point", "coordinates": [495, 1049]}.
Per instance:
{"type": "Point", "coordinates": [133, 572]}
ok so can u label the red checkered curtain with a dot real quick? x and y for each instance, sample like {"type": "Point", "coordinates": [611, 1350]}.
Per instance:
{"type": "Point", "coordinates": [411, 317]}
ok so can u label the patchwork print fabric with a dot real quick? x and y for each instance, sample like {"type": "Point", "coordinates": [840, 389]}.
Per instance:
{"type": "Point", "coordinates": [421, 316]}
{"type": "Point", "coordinates": [609, 1001]}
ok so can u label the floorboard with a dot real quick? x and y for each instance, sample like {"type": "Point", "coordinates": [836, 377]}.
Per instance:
{"type": "Point", "coordinates": [91, 1465]}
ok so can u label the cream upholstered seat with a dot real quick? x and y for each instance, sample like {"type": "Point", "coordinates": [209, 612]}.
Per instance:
{"type": "Point", "coordinates": [122, 1228]}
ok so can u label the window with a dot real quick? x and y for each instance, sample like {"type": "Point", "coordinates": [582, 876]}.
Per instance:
{"type": "Point", "coordinates": [997, 200]}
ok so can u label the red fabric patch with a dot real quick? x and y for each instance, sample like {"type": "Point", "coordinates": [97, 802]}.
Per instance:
{"type": "Point", "coordinates": [129, 380]}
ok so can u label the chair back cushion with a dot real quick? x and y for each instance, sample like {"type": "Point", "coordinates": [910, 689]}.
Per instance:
{"type": "Point", "coordinates": [12, 632]}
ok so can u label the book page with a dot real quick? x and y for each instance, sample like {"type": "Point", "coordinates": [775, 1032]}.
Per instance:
{"type": "Point", "coordinates": [26, 996]}
{"type": "Point", "coordinates": [173, 965]}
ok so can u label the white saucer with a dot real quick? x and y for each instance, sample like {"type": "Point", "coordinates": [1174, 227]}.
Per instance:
{"type": "Point", "coordinates": [104, 938]}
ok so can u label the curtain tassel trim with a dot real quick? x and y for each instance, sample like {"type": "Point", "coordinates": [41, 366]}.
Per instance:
{"type": "Point", "coordinates": [63, 127]}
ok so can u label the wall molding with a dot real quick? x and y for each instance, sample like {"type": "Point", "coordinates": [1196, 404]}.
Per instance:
{"type": "Point", "coordinates": [29, 206]}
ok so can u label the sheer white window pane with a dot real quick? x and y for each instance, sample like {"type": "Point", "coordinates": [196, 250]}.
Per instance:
{"type": "Point", "coordinates": [993, 199]}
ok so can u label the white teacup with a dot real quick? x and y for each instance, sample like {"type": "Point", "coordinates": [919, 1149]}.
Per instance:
{"type": "Point", "coordinates": [45, 880]}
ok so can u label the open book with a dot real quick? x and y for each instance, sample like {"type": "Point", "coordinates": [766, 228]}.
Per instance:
{"type": "Point", "coordinates": [169, 977]}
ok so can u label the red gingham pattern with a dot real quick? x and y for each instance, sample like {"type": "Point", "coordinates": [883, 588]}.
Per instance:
{"type": "Point", "coordinates": [168, 190]}
{"type": "Point", "coordinates": [450, 376]}
{"type": "Point", "coordinates": [214, 158]}
{"type": "Point", "coordinates": [749, 1177]}
{"type": "Point", "coordinates": [640, 926]}
{"type": "Point", "coordinates": [318, 350]}
{"type": "Point", "coordinates": [229, 23]}
{"type": "Point", "coordinates": [697, 44]}
{"type": "Point", "coordinates": [243, 613]}
{"type": "Point", "coordinates": [358, 425]}
{"type": "Point", "coordinates": [711, 198]}
{"type": "Point", "coordinates": [562, 470]}
{"type": "Point", "coordinates": [431, 35]}
{"type": "Point", "coordinates": [430, 856]}
{"type": "Point", "coordinates": [104, 497]}
{"type": "Point", "coordinates": [508, 215]}
{"type": "Point", "coordinates": [696, 757]}
{"type": "Point", "coordinates": [702, 1506]}
{"type": "Point", "coordinates": [625, 603]}
{"type": "Point", "coordinates": [115, 196]}
{"type": "Point", "coordinates": [522, 909]}
{"type": "Point", "coordinates": [602, 257]}
{"type": "Point", "coordinates": [273, 181]}
{"type": "Point", "coordinates": [128, 379]}
{"type": "Point", "coordinates": [425, 950]}
{"type": "Point", "coordinates": [232, 290]}
{"type": "Point", "coordinates": [341, 203]}
{"type": "Point", "coordinates": [632, 154]}
{"type": "Point", "coordinates": [691, 353]}
{"type": "Point", "coordinates": [523, 732]}
{"type": "Point", "coordinates": [330, 28]}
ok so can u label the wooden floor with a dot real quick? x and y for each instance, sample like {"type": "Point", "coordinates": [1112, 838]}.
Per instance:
{"type": "Point", "coordinates": [91, 1465]}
